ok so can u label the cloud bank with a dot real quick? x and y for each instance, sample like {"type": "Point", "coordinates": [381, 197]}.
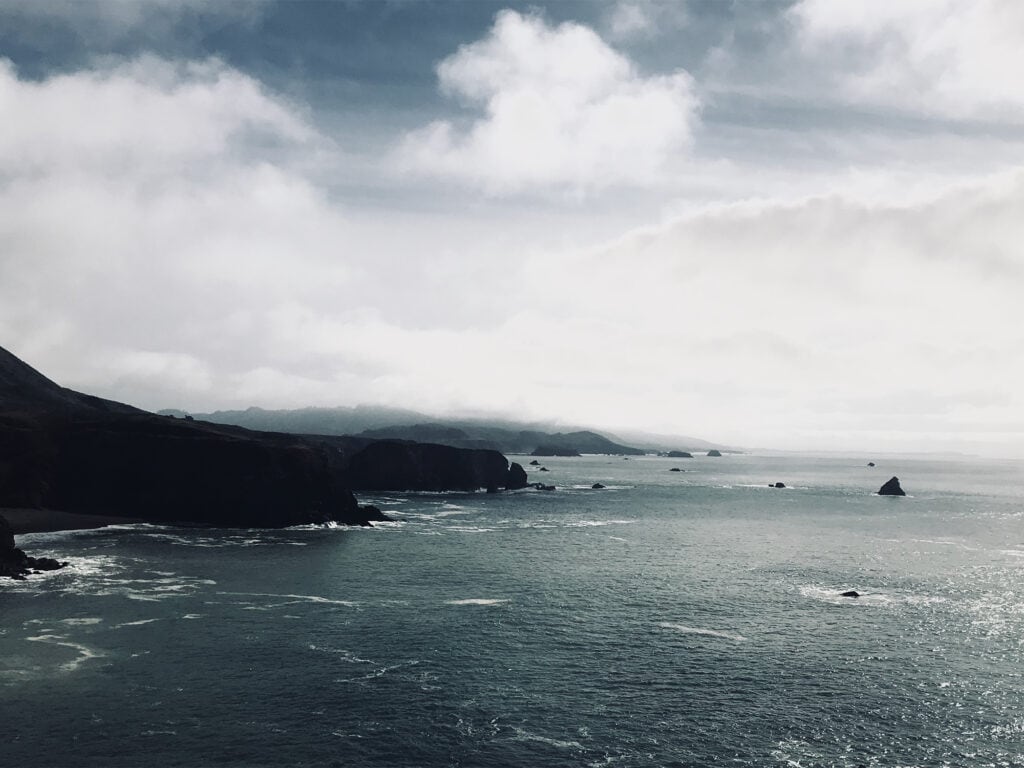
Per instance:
{"type": "Point", "coordinates": [942, 57]}
{"type": "Point", "coordinates": [172, 234]}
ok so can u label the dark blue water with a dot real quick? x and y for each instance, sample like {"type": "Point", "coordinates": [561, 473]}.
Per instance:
{"type": "Point", "coordinates": [672, 619]}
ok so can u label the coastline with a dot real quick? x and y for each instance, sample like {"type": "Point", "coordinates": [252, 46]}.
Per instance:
{"type": "Point", "coordinates": [51, 520]}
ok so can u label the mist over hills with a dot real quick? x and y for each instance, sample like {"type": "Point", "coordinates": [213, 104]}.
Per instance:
{"type": "Point", "coordinates": [505, 435]}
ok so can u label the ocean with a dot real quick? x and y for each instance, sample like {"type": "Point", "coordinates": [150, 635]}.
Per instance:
{"type": "Point", "coordinates": [685, 618]}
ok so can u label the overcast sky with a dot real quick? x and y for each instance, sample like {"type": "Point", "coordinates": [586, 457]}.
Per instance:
{"type": "Point", "coordinates": [794, 225]}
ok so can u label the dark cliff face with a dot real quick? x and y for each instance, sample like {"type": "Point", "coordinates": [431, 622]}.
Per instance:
{"type": "Point", "coordinates": [158, 469]}
{"type": "Point", "coordinates": [397, 465]}
{"type": "Point", "coordinates": [63, 450]}
{"type": "Point", "coordinates": [60, 449]}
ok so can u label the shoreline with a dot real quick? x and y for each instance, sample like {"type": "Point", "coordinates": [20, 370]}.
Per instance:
{"type": "Point", "coordinates": [50, 520]}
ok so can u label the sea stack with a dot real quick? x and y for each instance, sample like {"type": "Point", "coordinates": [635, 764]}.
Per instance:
{"type": "Point", "coordinates": [891, 488]}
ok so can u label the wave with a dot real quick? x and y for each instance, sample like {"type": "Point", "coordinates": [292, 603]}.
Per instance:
{"type": "Point", "coordinates": [84, 652]}
{"type": "Point", "coordinates": [702, 631]}
{"type": "Point", "coordinates": [291, 599]}
{"type": "Point", "coordinates": [477, 601]}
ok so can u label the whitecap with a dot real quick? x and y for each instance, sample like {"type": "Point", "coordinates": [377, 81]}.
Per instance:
{"type": "Point", "coordinates": [477, 601]}
{"type": "Point", "coordinates": [524, 735]}
{"type": "Point", "coordinates": [84, 652]}
{"type": "Point", "coordinates": [702, 631]}
{"type": "Point", "coordinates": [292, 599]}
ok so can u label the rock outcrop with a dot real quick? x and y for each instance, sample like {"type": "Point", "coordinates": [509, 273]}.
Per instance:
{"type": "Point", "coordinates": [891, 488]}
{"type": "Point", "coordinates": [397, 465]}
{"type": "Point", "coordinates": [14, 563]}
{"type": "Point", "coordinates": [714, 452]}
{"type": "Point", "coordinates": [679, 455]}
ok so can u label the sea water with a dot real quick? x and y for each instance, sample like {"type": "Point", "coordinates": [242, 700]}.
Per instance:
{"type": "Point", "coordinates": [686, 618]}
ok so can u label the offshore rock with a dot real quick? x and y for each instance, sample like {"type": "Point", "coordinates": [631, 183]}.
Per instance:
{"type": "Point", "coordinates": [851, 593]}
{"type": "Point", "coordinates": [516, 477]}
{"type": "Point", "coordinates": [679, 455]}
{"type": "Point", "coordinates": [714, 452]}
{"type": "Point", "coordinates": [891, 488]}
{"type": "Point", "coordinates": [597, 486]}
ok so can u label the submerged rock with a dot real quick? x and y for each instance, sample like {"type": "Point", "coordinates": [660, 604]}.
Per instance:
{"type": "Point", "coordinates": [542, 487]}
{"type": "Point", "coordinates": [871, 463]}
{"type": "Point", "coordinates": [597, 486]}
{"type": "Point", "coordinates": [675, 469]}
{"type": "Point", "coordinates": [776, 485]}
{"type": "Point", "coordinates": [851, 593]}
{"type": "Point", "coordinates": [534, 463]}
{"type": "Point", "coordinates": [891, 488]}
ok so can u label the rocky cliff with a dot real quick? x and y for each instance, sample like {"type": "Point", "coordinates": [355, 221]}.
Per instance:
{"type": "Point", "coordinates": [60, 449]}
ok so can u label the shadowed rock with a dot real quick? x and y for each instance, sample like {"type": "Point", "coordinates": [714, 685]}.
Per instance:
{"type": "Point", "coordinates": [14, 563]}
{"type": "Point", "coordinates": [851, 593]}
{"type": "Point", "coordinates": [891, 488]}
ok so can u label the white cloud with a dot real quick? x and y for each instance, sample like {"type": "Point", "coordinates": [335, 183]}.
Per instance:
{"type": "Point", "coordinates": [143, 218]}
{"type": "Point", "coordinates": [147, 112]}
{"type": "Point", "coordinates": [561, 110]}
{"type": "Point", "coordinates": [940, 57]}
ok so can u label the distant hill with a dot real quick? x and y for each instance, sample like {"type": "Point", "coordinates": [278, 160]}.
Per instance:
{"type": "Point", "coordinates": [319, 421]}
{"type": "Point", "coordinates": [505, 435]}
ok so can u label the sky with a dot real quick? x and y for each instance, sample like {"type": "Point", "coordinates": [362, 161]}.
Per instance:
{"type": "Point", "coordinates": [794, 225]}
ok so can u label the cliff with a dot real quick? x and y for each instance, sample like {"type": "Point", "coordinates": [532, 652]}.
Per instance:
{"type": "Point", "coordinates": [64, 450]}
